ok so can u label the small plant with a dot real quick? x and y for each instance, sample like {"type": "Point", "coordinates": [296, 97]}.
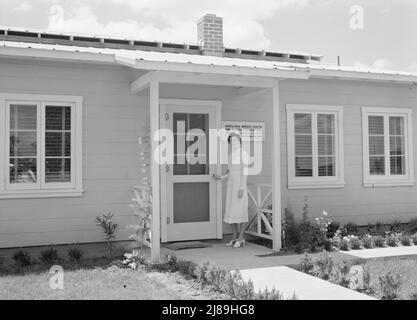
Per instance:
{"type": "Point", "coordinates": [332, 229]}
{"type": "Point", "coordinates": [367, 279]}
{"type": "Point", "coordinates": [367, 241]}
{"type": "Point", "coordinates": [272, 294]}
{"type": "Point", "coordinates": [49, 255]}
{"type": "Point", "coordinates": [340, 273]}
{"type": "Point", "coordinates": [355, 243]}
{"type": "Point", "coordinates": [352, 228]}
{"type": "Point", "coordinates": [390, 286]}
{"type": "Point", "coordinates": [75, 254]}
{"type": "Point", "coordinates": [345, 244]}
{"type": "Point", "coordinates": [324, 264]}
{"type": "Point", "coordinates": [22, 258]}
{"type": "Point", "coordinates": [414, 239]}
{"type": "Point", "coordinates": [393, 240]}
{"type": "Point", "coordinates": [397, 227]}
{"type": "Point", "coordinates": [379, 241]}
{"type": "Point", "coordinates": [291, 230]}
{"type": "Point", "coordinates": [412, 226]}
{"type": "Point", "coordinates": [405, 240]}
{"type": "Point", "coordinates": [109, 229]}
{"type": "Point", "coordinates": [412, 296]}
{"type": "Point", "coordinates": [306, 263]}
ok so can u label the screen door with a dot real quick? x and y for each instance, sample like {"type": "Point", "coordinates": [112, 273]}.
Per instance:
{"type": "Point", "coordinates": [191, 211]}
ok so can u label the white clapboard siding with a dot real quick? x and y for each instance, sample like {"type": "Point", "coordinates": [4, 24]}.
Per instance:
{"type": "Point", "coordinates": [353, 203]}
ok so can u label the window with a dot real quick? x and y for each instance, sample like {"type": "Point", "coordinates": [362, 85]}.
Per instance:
{"type": "Point", "coordinates": [315, 146]}
{"type": "Point", "coordinates": [387, 147]}
{"type": "Point", "coordinates": [42, 143]}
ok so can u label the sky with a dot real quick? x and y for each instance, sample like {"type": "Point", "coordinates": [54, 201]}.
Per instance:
{"type": "Point", "coordinates": [364, 33]}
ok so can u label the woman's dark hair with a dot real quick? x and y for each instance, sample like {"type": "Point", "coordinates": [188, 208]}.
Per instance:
{"type": "Point", "coordinates": [229, 138]}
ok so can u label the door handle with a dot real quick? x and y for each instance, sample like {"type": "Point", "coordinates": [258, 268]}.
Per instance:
{"type": "Point", "coordinates": [167, 168]}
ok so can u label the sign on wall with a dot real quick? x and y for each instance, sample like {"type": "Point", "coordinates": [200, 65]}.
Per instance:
{"type": "Point", "coordinates": [249, 131]}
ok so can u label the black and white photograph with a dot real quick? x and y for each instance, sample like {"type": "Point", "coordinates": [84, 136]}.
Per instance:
{"type": "Point", "coordinates": [208, 155]}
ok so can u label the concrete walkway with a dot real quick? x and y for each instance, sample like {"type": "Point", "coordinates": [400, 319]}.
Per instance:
{"type": "Point", "coordinates": [305, 287]}
{"type": "Point", "coordinates": [248, 257]}
{"type": "Point", "coordinates": [383, 252]}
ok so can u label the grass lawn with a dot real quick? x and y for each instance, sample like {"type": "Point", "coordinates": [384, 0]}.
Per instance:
{"type": "Point", "coordinates": [98, 283]}
{"type": "Point", "coordinates": [405, 267]}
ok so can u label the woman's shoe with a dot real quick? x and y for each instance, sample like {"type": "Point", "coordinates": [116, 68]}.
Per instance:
{"type": "Point", "coordinates": [231, 243]}
{"type": "Point", "coordinates": [239, 244]}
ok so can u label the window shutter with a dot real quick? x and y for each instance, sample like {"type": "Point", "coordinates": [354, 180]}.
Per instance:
{"type": "Point", "coordinates": [303, 145]}
{"type": "Point", "coordinates": [376, 145]}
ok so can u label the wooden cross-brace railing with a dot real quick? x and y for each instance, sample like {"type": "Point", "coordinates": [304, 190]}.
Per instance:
{"type": "Point", "coordinates": [262, 192]}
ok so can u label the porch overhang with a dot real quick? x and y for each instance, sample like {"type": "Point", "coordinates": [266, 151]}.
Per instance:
{"type": "Point", "coordinates": [247, 84]}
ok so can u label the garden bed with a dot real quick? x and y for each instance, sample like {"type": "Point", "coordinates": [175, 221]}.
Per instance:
{"type": "Point", "coordinates": [385, 279]}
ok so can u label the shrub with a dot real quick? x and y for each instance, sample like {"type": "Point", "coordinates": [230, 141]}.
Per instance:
{"type": "Point", "coordinates": [412, 296]}
{"type": "Point", "coordinates": [352, 228]}
{"type": "Point", "coordinates": [390, 286]}
{"type": "Point", "coordinates": [22, 258]}
{"type": "Point", "coordinates": [367, 241]}
{"type": "Point", "coordinates": [324, 264]}
{"type": "Point", "coordinates": [379, 241]}
{"type": "Point", "coordinates": [376, 229]}
{"type": "Point", "coordinates": [272, 294]}
{"type": "Point", "coordinates": [340, 273]}
{"type": "Point", "coordinates": [332, 229]}
{"type": "Point", "coordinates": [393, 240]}
{"type": "Point", "coordinates": [397, 227]}
{"type": "Point", "coordinates": [109, 229]}
{"type": "Point", "coordinates": [367, 279]}
{"type": "Point", "coordinates": [355, 243]}
{"type": "Point", "coordinates": [291, 230]}
{"type": "Point", "coordinates": [49, 255]}
{"type": "Point", "coordinates": [306, 263]}
{"type": "Point", "coordinates": [405, 240]}
{"type": "Point", "coordinates": [412, 226]}
{"type": "Point", "coordinates": [344, 244]}
{"type": "Point", "coordinates": [74, 253]}
{"type": "Point", "coordinates": [414, 239]}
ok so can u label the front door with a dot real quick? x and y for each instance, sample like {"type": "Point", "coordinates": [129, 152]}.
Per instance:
{"type": "Point", "coordinates": [191, 192]}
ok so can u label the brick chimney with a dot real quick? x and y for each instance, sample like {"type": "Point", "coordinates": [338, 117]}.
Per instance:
{"type": "Point", "coordinates": [210, 35]}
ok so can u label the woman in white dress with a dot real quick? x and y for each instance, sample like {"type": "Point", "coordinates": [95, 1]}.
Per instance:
{"type": "Point", "coordinates": [236, 211]}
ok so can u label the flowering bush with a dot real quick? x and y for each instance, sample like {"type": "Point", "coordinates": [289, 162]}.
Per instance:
{"type": "Point", "coordinates": [323, 222]}
{"type": "Point", "coordinates": [405, 240]}
{"type": "Point", "coordinates": [414, 239]}
{"type": "Point", "coordinates": [393, 239]}
{"type": "Point", "coordinates": [355, 242]}
{"type": "Point", "coordinates": [379, 241]}
{"type": "Point", "coordinates": [345, 244]}
{"type": "Point", "coordinates": [133, 260]}
{"type": "Point", "coordinates": [367, 241]}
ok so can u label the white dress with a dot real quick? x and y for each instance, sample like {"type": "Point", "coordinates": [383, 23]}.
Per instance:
{"type": "Point", "coordinates": [236, 210]}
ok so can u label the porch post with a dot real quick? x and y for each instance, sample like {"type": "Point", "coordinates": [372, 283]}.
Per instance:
{"type": "Point", "coordinates": [155, 172]}
{"type": "Point", "coordinates": [276, 171]}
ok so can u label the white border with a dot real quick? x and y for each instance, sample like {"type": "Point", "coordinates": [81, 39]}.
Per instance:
{"type": "Point", "coordinates": [74, 189]}
{"type": "Point", "coordinates": [315, 182]}
{"type": "Point", "coordinates": [387, 180]}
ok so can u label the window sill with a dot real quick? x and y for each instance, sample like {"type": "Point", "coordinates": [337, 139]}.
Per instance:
{"type": "Point", "coordinates": [322, 185]}
{"type": "Point", "coordinates": [382, 184]}
{"type": "Point", "coordinates": [29, 194]}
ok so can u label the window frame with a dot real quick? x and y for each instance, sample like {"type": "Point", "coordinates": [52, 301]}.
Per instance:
{"type": "Point", "coordinates": [388, 180]}
{"type": "Point", "coordinates": [315, 182]}
{"type": "Point", "coordinates": [41, 189]}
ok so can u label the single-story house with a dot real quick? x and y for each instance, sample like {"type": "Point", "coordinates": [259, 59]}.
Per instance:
{"type": "Point", "coordinates": [72, 108]}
